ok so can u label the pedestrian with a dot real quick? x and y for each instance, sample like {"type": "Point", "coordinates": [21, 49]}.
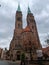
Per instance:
{"type": "Point", "coordinates": [23, 58]}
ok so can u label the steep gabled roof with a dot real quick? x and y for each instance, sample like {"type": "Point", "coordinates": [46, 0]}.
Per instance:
{"type": "Point", "coordinates": [27, 29]}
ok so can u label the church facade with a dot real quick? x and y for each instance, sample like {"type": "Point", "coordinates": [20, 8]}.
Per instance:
{"type": "Point", "coordinates": [24, 40]}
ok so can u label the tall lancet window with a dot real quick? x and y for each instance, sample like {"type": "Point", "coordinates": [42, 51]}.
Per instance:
{"type": "Point", "coordinates": [19, 26]}
{"type": "Point", "coordinates": [19, 18]}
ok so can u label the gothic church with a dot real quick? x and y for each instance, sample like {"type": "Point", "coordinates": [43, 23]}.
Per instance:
{"type": "Point", "coordinates": [24, 40]}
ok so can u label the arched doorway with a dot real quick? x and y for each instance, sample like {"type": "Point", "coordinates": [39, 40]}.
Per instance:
{"type": "Point", "coordinates": [18, 55]}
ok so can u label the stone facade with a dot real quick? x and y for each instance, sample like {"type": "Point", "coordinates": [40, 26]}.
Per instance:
{"type": "Point", "coordinates": [24, 40]}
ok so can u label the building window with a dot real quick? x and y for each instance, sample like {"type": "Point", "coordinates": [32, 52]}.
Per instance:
{"type": "Point", "coordinates": [32, 26]}
{"type": "Point", "coordinates": [19, 26]}
{"type": "Point", "coordinates": [29, 42]}
{"type": "Point", "coordinates": [19, 18]}
{"type": "Point", "coordinates": [31, 20]}
{"type": "Point", "coordinates": [28, 23]}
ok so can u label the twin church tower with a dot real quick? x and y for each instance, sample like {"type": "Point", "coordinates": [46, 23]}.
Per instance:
{"type": "Point", "coordinates": [24, 40]}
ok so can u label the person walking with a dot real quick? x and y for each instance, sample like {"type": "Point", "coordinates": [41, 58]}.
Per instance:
{"type": "Point", "coordinates": [23, 58]}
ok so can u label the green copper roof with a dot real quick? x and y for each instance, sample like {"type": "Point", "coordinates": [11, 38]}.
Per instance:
{"type": "Point", "coordinates": [29, 10]}
{"type": "Point", "coordinates": [18, 8]}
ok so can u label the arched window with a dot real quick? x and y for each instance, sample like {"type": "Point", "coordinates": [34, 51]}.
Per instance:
{"type": "Point", "coordinates": [28, 23]}
{"type": "Point", "coordinates": [29, 42]}
{"type": "Point", "coordinates": [19, 18]}
{"type": "Point", "coordinates": [32, 26]}
{"type": "Point", "coordinates": [19, 26]}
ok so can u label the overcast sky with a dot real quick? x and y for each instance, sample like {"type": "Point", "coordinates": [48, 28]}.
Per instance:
{"type": "Point", "coordinates": [40, 10]}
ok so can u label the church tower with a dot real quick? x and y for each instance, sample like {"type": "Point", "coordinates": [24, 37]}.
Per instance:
{"type": "Point", "coordinates": [18, 20]}
{"type": "Point", "coordinates": [30, 18]}
{"type": "Point", "coordinates": [24, 40]}
{"type": "Point", "coordinates": [15, 45]}
{"type": "Point", "coordinates": [32, 25]}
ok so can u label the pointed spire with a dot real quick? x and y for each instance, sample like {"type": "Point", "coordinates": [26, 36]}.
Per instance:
{"type": "Point", "coordinates": [18, 8]}
{"type": "Point", "coordinates": [29, 10]}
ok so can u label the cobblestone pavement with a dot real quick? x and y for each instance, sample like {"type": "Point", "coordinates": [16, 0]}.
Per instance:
{"type": "Point", "coordinates": [8, 63]}
{"type": "Point", "coordinates": [18, 63]}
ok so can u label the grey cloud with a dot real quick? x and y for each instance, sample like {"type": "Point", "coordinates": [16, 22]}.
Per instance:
{"type": "Point", "coordinates": [39, 6]}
